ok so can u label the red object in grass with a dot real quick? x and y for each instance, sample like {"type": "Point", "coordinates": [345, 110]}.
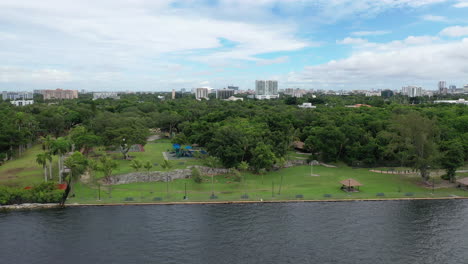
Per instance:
{"type": "Point", "coordinates": [62, 186]}
{"type": "Point", "coordinates": [28, 188]}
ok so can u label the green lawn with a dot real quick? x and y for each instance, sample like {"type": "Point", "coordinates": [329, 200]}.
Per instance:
{"type": "Point", "coordinates": [25, 171]}
{"type": "Point", "coordinates": [296, 181]}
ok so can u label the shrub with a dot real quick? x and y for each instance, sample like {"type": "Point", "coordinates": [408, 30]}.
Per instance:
{"type": "Point", "coordinates": [196, 175]}
{"type": "Point", "coordinates": [41, 193]}
{"type": "Point", "coordinates": [236, 176]}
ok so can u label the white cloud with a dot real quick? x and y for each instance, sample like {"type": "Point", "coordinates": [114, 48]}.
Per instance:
{"type": "Point", "coordinates": [434, 18]}
{"type": "Point", "coordinates": [370, 33]}
{"type": "Point", "coordinates": [461, 4]}
{"type": "Point", "coordinates": [278, 60]}
{"type": "Point", "coordinates": [16, 74]}
{"type": "Point", "coordinates": [391, 65]}
{"type": "Point", "coordinates": [455, 31]}
{"type": "Point", "coordinates": [352, 41]}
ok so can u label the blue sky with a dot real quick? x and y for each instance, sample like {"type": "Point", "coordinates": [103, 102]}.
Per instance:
{"type": "Point", "coordinates": [164, 44]}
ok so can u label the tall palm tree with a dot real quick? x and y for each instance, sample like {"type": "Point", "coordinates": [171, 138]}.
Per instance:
{"type": "Point", "coordinates": [41, 159]}
{"type": "Point", "coordinates": [60, 147]}
{"type": "Point", "coordinates": [46, 146]}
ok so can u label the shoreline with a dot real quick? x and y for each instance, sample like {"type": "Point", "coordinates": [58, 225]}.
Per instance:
{"type": "Point", "coordinates": [269, 201]}
{"type": "Point", "coordinates": [37, 206]}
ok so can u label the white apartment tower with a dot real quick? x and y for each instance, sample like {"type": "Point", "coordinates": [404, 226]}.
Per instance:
{"type": "Point", "coordinates": [411, 91]}
{"type": "Point", "coordinates": [201, 93]}
{"type": "Point", "coordinates": [266, 89]}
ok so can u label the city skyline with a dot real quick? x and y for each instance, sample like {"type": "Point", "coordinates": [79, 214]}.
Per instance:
{"type": "Point", "coordinates": [165, 45]}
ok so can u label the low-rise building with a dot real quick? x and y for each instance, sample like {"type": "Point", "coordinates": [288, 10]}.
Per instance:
{"type": "Point", "coordinates": [224, 93]}
{"type": "Point", "coordinates": [17, 95]}
{"type": "Point", "coordinates": [459, 101]}
{"type": "Point", "coordinates": [233, 98]}
{"type": "Point", "coordinates": [22, 102]}
{"type": "Point", "coordinates": [307, 105]}
{"type": "Point", "coordinates": [104, 95]}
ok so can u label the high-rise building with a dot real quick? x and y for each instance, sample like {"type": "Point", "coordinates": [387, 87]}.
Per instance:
{"type": "Point", "coordinates": [266, 89]}
{"type": "Point", "coordinates": [235, 88]}
{"type": "Point", "coordinates": [58, 94]}
{"type": "Point", "coordinates": [442, 87]}
{"type": "Point", "coordinates": [465, 88]}
{"type": "Point", "coordinates": [224, 93]}
{"type": "Point", "coordinates": [201, 93]}
{"type": "Point", "coordinates": [411, 91]}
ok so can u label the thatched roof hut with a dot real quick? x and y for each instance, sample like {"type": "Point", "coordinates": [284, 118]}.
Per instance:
{"type": "Point", "coordinates": [299, 145]}
{"type": "Point", "coordinates": [350, 185]}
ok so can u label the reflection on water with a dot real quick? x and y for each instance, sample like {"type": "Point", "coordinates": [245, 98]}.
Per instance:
{"type": "Point", "coordinates": [345, 232]}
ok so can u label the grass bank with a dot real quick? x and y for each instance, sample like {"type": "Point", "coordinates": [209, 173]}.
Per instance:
{"type": "Point", "coordinates": [294, 183]}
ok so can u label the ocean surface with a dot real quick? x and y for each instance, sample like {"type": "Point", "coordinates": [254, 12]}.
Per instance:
{"type": "Point", "coordinates": [423, 232]}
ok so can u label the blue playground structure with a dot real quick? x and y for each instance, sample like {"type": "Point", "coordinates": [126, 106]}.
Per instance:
{"type": "Point", "coordinates": [185, 152]}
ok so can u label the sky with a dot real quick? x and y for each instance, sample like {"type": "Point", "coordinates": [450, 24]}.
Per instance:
{"type": "Point", "coordinates": [159, 45]}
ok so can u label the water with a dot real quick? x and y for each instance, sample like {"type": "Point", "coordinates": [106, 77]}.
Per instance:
{"type": "Point", "coordinates": [346, 232]}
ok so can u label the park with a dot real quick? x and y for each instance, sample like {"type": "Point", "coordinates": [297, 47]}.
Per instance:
{"type": "Point", "coordinates": [145, 150]}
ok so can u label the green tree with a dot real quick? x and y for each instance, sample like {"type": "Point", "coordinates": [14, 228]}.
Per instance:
{"type": "Point", "coordinates": [417, 136]}
{"type": "Point", "coordinates": [262, 157]}
{"type": "Point", "coordinates": [81, 138]}
{"type": "Point", "coordinates": [452, 157]}
{"type": "Point", "coordinates": [107, 165]}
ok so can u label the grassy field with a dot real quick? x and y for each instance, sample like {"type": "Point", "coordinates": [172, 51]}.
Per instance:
{"type": "Point", "coordinates": [297, 184]}
{"type": "Point", "coordinates": [25, 171]}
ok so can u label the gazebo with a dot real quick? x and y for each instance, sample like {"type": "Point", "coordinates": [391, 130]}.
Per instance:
{"type": "Point", "coordinates": [350, 185]}
{"type": "Point", "coordinates": [463, 183]}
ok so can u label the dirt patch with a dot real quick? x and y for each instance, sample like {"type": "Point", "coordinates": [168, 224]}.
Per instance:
{"type": "Point", "coordinates": [153, 138]}
{"type": "Point", "coordinates": [440, 185]}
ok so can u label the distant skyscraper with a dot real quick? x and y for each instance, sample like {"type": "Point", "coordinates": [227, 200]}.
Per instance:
{"type": "Point", "coordinates": [442, 87]}
{"type": "Point", "coordinates": [173, 94]}
{"type": "Point", "coordinates": [411, 91]}
{"type": "Point", "coordinates": [235, 88]}
{"type": "Point", "coordinates": [201, 93]}
{"type": "Point", "coordinates": [266, 89]}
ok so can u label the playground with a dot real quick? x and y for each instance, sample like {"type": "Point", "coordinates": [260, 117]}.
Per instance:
{"type": "Point", "coordinates": [183, 152]}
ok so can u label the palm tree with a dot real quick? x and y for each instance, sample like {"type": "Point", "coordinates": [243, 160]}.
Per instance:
{"type": "Point", "coordinates": [148, 166]}
{"type": "Point", "coordinates": [41, 159]}
{"type": "Point", "coordinates": [166, 165]}
{"type": "Point", "coordinates": [136, 165]}
{"type": "Point", "coordinates": [60, 147]}
{"type": "Point", "coordinates": [46, 145]}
